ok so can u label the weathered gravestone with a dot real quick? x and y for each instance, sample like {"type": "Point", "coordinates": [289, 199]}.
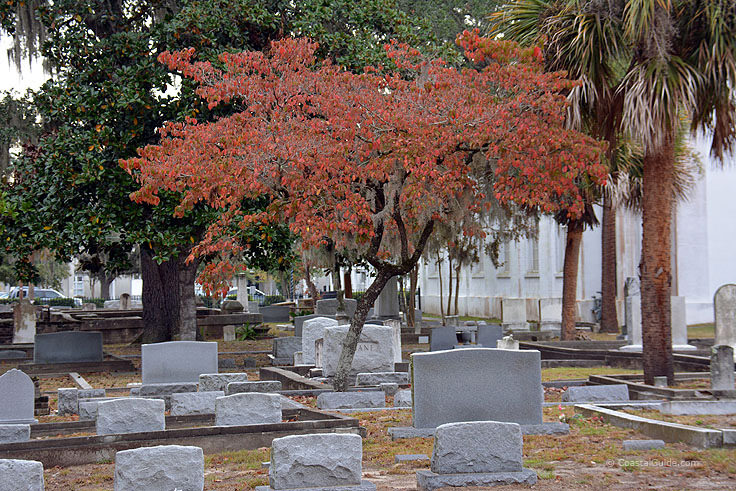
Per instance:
{"type": "Point", "coordinates": [313, 330]}
{"type": "Point", "coordinates": [320, 461]}
{"type": "Point", "coordinates": [486, 453]}
{"type": "Point", "coordinates": [24, 322]}
{"type": "Point", "coordinates": [17, 396]}
{"type": "Point", "coordinates": [387, 303]}
{"type": "Point", "coordinates": [130, 415]}
{"type": "Point", "coordinates": [442, 338]}
{"type": "Point", "coordinates": [177, 361]}
{"type": "Point", "coordinates": [259, 386]}
{"type": "Point", "coordinates": [275, 313]}
{"type": "Point", "coordinates": [188, 403]}
{"type": "Point", "coordinates": [513, 313]}
{"type": "Point", "coordinates": [231, 307]}
{"type": "Point", "coordinates": [550, 314]}
{"type": "Point", "coordinates": [394, 324]}
{"type": "Point", "coordinates": [300, 319]}
{"type": "Point", "coordinates": [161, 468]}
{"type": "Point", "coordinates": [597, 393]}
{"type": "Point", "coordinates": [374, 353]}
{"type": "Point", "coordinates": [477, 384]}
{"type": "Point", "coordinates": [328, 306]}
{"type": "Point", "coordinates": [68, 347]}
{"type": "Point", "coordinates": [68, 398]}
{"type": "Point", "coordinates": [284, 349]}
{"type": "Point", "coordinates": [219, 381]}
{"type": "Point", "coordinates": [250, 408]}
{"type": "Point", "coordinates": [378, 378]}
{"type": "Point", "coordinates": [722, 368]}
{"type": "Point", "coordinates": [508, 342]}
{"type": "Point", "coordinates": [488, 335]}
{"type": "Point", "coordinates": [21, 475]}
{"type": "Point", "coordinates": [14, 433]}
{"type": "Point", "coordinates": [125, 301]}
{"type": "Point", "coordinates": [228, 333]}
{"type": "Point", "coordinates": [724, 304]}
{"type": "Point", "coordinates": [351, 400]}
{"type": "Point", "coordinates": [402, 398]}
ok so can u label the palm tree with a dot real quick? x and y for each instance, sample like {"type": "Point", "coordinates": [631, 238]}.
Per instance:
{"type": "Point", "coordinates": [675, 57]}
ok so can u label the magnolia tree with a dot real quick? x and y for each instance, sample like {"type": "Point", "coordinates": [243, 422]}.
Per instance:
{"type": "Point", "coordinates": [372, 161]}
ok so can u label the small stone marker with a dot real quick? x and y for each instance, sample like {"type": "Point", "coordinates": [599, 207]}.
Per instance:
{"type": "Point", "coordinates": [17, 475]}
{"type": "Point", "coordinates": [125, 301]}
{"type": "Point", "coordinates": [374, 353]}
{"type": "Point", "coordinates": [722, 368]}
{"type": "Point", "coordinates": [161, 468]}
{"type": "Point", "coordinates": [298, 358]}
{"type": "Point", "coordinates": [403, 398]}
{"type": "Point", "coordinates": [260, 386]}
{"type": "Point", "coordinates": [484, 453]}
{"type": "Point", "coordinates": [24, 322]}
{"type": "Point", "coordinates": [678, 316]}
{"type": "Point", "coordinates": [488, 335]}
{"type": "Point", "coordinates": [299, 322]}
{"type": "Point", "coordinates": [597, 393]}
{"type": "Point", "coordinates": [724, 304]}
{"type": "Point", "coordinates": [369, 379]}
{"type": "Point", "coordinates": [68, 401]}
{"type": "Point", "coordinates": [351, 400]}
{"type": "Point", "coordinates": [17, 396]}
{"type": "Point", "coordinates": [14, 433]}
{"type": "Point", "coordinates": [218, 381]}
{"type": "Point", "coordinates": [399, 458]}
{"type": "Point", "coordinates": [177, 361]}
{"type": "Point", "coordinates": [660, 381]}
{"type": "Point", "coordinates": [228, 333]}
{"type": "Point", "coordinates": [312, 330]}
{"type": "Point", "coordinates": [508, 343]}
{"type": "Point", "coordinates": [130, 415]}
{"type": "Point", "coordinates": [513, 314]}
{"type": "Point", "coordinates": [321, 461]}
{"type": "Point", "coordinates": [188, 403]}
{"type": "Point", "coordinates": [68, 347]}
{"type": "Point", "coordinates": [251, 408]}
{"type": "Point", "coordinates": [643, 444]}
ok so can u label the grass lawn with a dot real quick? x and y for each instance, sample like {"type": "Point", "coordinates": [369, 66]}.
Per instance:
{"type": "Point", "coordinates": [701, 331]}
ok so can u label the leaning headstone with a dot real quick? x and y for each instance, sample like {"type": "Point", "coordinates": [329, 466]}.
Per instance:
{"type": "Point", "coordinates": [21, 475]}
{"type": "Point", "coordinates": [188, 403]}
{"type": "Point", "coordinates": [313, 330]}
{"type": "Point", "coordinates": [401, 378]}
{"type": "Point", "coordinates": [177, 361]}
{"type": "Point", "coordinates": [24, 322]}
{"type": "Point", "coordinates": [284, 349]}
{"type": "Point", "coordinates": [442, 338]}
{"type": "Point", "coordinates": [597, 393]}
{"type": "Point", "coordinates": [130, 415]}
{"type": "Point", "coordinates": [486, 453]}
{"type": "Point", "coordinates": [505, 385]}
{"type": "Point", "coordinates": [260, 386]}
{"type": "Point", "coordinates": [387, 303]}
{"type": "Point", "coordinates": [328, 307]}
{"type": "Point", "coordinates": [351, 400]}
{"type": "Point", "coordinates": [68, 347]}
{"type": "Point", "coordinates": [488, 335]}
{"type": "Point", "coordinates": [218, 381]}
{"type": "Point", "coordinates": [250, 408]}
{"type": "Point", "coordinates": [161, 468]}
{"type": "Point", "coordinates": [17, 398]}
{"type": "Point", "coordinates": [724, 304]}
{"type": "Point", "coordinates": [14, 433]}
{"type": "Point", "coordinates": [374, 353]}
{"type": "Point", "coordinates": [550, 314]}
{"type": "Point", "coordinates": [513, 314]}
{"type": "Point", "coordinates": [319, 461]}
{"type": "Point", "coordinates": [722, 368]}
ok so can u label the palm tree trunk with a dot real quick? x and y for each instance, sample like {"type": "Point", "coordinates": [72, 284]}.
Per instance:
{"type": "Point", "coordinates": [570, 279]}
{"type": "Point", "coordinates": [609, 317]}
{"type": "Point", "coordinates": [655, 266]}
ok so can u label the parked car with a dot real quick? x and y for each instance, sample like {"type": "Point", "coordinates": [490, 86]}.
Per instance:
{"type": "Point", "coordinates": [41, 294]}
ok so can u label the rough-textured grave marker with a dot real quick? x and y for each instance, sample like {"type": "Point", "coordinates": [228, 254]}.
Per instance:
{"type": "Point", "coordinates": [351, 400]}
{"type": "Point", "coordinates": [21, 475]}
{"type": "Point", "coordinates": [252, 408]}
{"type": "Point", "coordinates": [256, 386]}
{"type": "Point", "coordinates": [597, 393]}
{"type": "Point", "coordinates": [17, 398]}
{"type": "Point", "coordinates": [14, 433]}
{"type": "Point", "coordinates": [374, 353]}
{"type": "Point", "coordinates": [724, 304]}
{"type": "Point", "coordinates": [161, 468]}
{"type": "Point", "coordinates": [721, 368]}
{"type": "Point", "coordinates": [218, 381]}
{"type": "Point", "coordinates": [130, 415]}
{"type": "Point", "coordinates": [177, 361]}
{"type": "Point", "coordinates": [313, 330]}
{"type": "Point", "coordinates": [188, 403]}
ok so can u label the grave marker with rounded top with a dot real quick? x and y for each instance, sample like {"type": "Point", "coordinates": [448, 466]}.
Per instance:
{"type": "Point", "coordinates": [17, 398]}
{"type": "Point", "coordinates": [724, 305]}
{"type": "Point", "coordinates": [312, 330]}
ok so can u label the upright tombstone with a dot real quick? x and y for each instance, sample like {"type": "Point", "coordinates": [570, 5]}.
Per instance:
{"type": "Point", "coordinates": [678, 324]}
{"type": "Point", "coordinates": [550, 314]}
{"type": "Point", "coordinates": [442, 338]}
{"type": "Point", "coordinates": [177, 361]}
{"type": "Point", "coordinates": [125, 301]}
{"type": "Point", "coordinates": [322, 461]}
{"type": "Point", "coordinates": [299, 322]}
{"type": "Point", "coordinates": [513, 314]}
{"type": "Point", "coordinates": [68, 347]}
{"type": "Point", "coordinates": [160, 468]}
{"type": "Point", "coordinates": [313, 330]}
{"type": "Point", "coordinates": [247, 408]}
{"type": "Point", "coordinates": [228, 333]}
{"type": "Point", "coordinates": [724, 304]}
{"type": "Point", "coordinates": [387, 303]}
{"type": "Point", "coordinates": [633, 323]}
{"type": "Point", "coordinates": [394, 324]}
{"type": "Point", "coordinates": [631, 288]}
{"type": "Point", "coordinates": [374, 353]}
{"type": "Point", "coordinates": [328, 307]}
{"type": "Point", "coordinates": [678, 310]}
{"type": "Point", "coordinates": [130, 415]}
{"type": "Point", "coordinates": [505, 385]}
{"type": "Point", "coordinates": [488, 335]}
{"type": "Point", "coordinates": [722, 368]}
{"type": "Point", "coordinates": [21, 475]}
{"type": "Point", "coordinates": [17, 398]}
{"type": "Point", "coordinates": [284, 349]}
{"type": "Point", "coordinates": [275, 313]}
{"type": "Point", "coordinates": [24, 322]}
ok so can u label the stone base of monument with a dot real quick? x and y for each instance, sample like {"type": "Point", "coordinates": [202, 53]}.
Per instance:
{"type": "Point", "coordinates": [428, 480]}
{"type": "Point", "coordinates": [552, 428]}
{"type": "Point", "coordinates": [637, 348]}
{"type": "Point", "coordinates": [363, 486]}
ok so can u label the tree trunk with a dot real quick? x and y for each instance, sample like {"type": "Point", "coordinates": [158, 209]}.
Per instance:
{"type": "Point", "coordinates": [169, 307]}
{"type": "Point", "coordinates": [350, 344]}
{"type": "Point", "coordinates": [570, 279]}
{"type": "Point", "coordinates": [105, 282]}
{"type": "Point", "coordinates": [410, 314]}
{"type": "Point", "coordinates": [449, 284]}
{"type": "Point", "coordinates": [655, 266]}
{"type": "Point", "coordinates": [439, 274]}
{"type": "Point", "coordinates": [336, 279]}
{"type": "Point", "coordinates": [457, 286]}
{"type": "Point", "coordinates": [402, 295]}
{"type": "Point", "coordinates": [609, 316]}
{"type": "Point", "coordinates": [348, 282]}
{"type": "Point", "coordinates": [313, 292]}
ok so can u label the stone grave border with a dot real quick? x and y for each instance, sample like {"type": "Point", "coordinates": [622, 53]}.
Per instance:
{"type": "Point", "coordinates": [64, 452]}
{"type": "Point", "coordinates": [110, 363]}
{"type": "Point", "coordinates": [639, 390]}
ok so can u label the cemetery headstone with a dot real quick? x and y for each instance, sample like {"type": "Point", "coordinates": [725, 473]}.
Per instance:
{"type": "Point", "coordinates": [299, 322]}
{"type": "Point", "coordinates": [68, 401]}
{"type": "Point", "coordinates": [88, 307]}
{"type": "Point", "coordinates": [319, 345]}
{"type": "Point", "coordinates": [284, 349]}
{"type": "Point", "coordinates": [722, 368]}
{"type": "Point", "coordinates": [17, 396]}
{"type": "Point", "coordinates": [488, 335]}
{"type": "Point", "coordinates": [724, 304]}
{"type": "Point", "coordinates": [219, 381]}
{"type": "Point", "coordinates": [328, 307]}
{"type": "Point", "coordinates": [125, 301]}
{"type": "Point", "coordinates": [632, 308]}
{"type": "Point", "coordinates": [177, 361]}
{"type": "Point", "coordinates": [312, 330]}
{"type": "Point", "coordinates": [351, 400]}
{"type": "Point", "coordinates": [679, 325]}
{"type": "Point", "coordinates": [550, 314]}
{"type": "Point", "coordinates": [14, 433]}
{"type": "Point", "coordinates": [130, 415]}
{"type": "Point", "coordinates": [228, 333]}
{"type": "Point", "coordinates": [394, 324]}
{"type": "Point", "coordinates": [442, 338]}
{"type": "Point", "coordinates": [68, 347]}
{"type": "Point", "coordinates": [633, 324]}
{"type": "Point", "coordinates": [25, 475]}
{"type": "Point", "coordinates": [403, 398]}
{"type": "Point", "coordinates": [387, 303]}
{"type": "Point", "coordinates": [486, 453]}
{"type": "Point", "coordinates": [275, 313]}
{"type": "Point", "coordinates": [505, 386]}
{"type": "Point", "coordinates": [597, 393]}
{"type": "Point", "coordinates": [231, 307]}
{"type": "Point", "coordinates": [247, 409]}
{"type": "Point", "coordinates": [367, 379]}
{"type": "Point", "coordinates": [513, 314]}
{"type": "Point", "coordinates": [187, 403]}
{"type": "Point", "coordinates": [160, 468]}
{"type": "Point", "coordinates": [259, 386]}
{"type": "Point", "coordinates": [24, 322]}
{"type": "Point", "coordinates": [318, 461]}
{"type": "Point", "coordinates": [374, 353]}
